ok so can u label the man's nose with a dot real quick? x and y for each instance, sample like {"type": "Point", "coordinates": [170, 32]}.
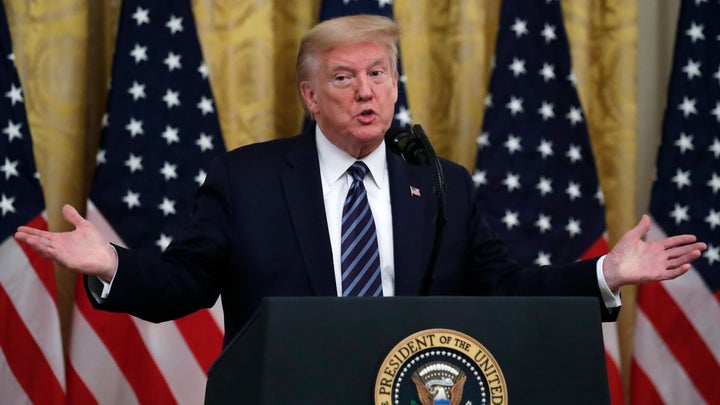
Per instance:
{"type": "Point", "coordinates": [363, 89]}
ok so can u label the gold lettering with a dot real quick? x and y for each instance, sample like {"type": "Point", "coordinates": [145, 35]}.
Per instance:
{"type": "Point", "coordinates": [431, 338]}
{"type": "Point", "coordinates": [484, 362]}
{"type": "Point", "coordinates": [394, 363]}
{"type": "Point", "coordinates": [385, 386]}
{"type": "Point", "coordinates": [405, 353]}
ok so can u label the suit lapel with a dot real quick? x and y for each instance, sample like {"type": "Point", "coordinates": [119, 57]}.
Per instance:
{"type": "Point", "coordinates": [304, 199]}
{"type": "Point", "coordinates": [412, 200]}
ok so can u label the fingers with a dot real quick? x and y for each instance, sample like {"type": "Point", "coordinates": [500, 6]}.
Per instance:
{"type": "Point", "coordinates": [71, 215]}
{"type": "Point", "coordinates": [39, 240]}
{"type": "Point", "coordinates": [641, 228]}
{"type": "Point", "coordinates": [683, 249]}
{"type": "Point", "coordinates": [682, 258]}
{"type": "Point", "coordinates": [678, 240]}
{"type": "Point", "coordinates": [23, 232]}
{"type": "Point", "coordinates": [672, 273]}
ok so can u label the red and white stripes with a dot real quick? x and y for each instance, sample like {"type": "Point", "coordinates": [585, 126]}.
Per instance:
{"type": "Point", "coordinates": [676, 356]}
{"type": "Point", "coordinates": [32, 369]}
{"type": "Point", "coordinates": [119, 359]}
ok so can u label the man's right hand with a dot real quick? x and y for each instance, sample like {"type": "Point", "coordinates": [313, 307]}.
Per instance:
{"type": "Point", "coordinates": [84, 249]}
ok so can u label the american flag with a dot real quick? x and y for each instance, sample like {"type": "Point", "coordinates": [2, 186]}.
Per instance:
{"type": "Point", "coordinates": [535, 173]}
{"type": "Point", "coordinates": [31, 355]}
{"type": "Point", "coordinates": [160, 131]}
{"type": "Point", "coordinates": [676, 355]}
{"type": "Point", "coordinates": [338, 8]}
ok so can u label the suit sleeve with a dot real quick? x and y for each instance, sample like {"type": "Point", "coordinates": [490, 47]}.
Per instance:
{"type": "Point", "coordinates": [491, 271]}
{"type": "Point", "coordinates": [188, 276]}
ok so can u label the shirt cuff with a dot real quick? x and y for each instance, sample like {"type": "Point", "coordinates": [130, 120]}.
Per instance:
{"type": "Point", "coordinates": [99, 288]}
{"type": "Point", "coordinates": [610, 298]}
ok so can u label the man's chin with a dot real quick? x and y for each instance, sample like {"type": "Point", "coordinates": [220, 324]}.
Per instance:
{"type": "Point", "coordinates": [369, 139]}
{"type": "Point", "coordinates": [370, 132]}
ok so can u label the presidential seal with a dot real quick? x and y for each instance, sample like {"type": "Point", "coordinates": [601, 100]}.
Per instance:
{"type": "Point", "coordinates": [440, 366]}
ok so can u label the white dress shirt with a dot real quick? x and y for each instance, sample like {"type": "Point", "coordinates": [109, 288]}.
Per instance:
{"type": "Point", "coordinates": [334, 163]}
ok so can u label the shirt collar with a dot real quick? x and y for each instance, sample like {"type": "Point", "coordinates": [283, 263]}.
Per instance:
{"type": "Point", "coordinates": [334, 161]}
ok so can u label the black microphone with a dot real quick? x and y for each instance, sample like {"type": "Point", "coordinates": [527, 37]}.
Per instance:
{"type": "Point", "coordinates": [407, 144]}
{"type": "Point", "coordinates": [415, 148]}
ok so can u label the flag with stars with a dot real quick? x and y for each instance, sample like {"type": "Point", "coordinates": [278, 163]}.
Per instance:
{"type": "Point", "coordinates": [160, 131]}
{"type": "Point", "coordinates": [338, 8]}
{"type": "Point", "coordinates": [676, 356]}
{"type": "Point", "coordinates": [535, 174]}
{"type": "Point", "coordinates": [32, 368]}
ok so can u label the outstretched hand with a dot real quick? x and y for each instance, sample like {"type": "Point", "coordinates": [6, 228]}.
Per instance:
{"type": "Point", "coordinates": [634, 261]}
{"type": "Point", "coordinates": [84, 249]}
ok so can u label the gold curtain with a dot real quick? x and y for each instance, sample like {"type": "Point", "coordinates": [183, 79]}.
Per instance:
{"type": "Point", "coordinates": [603, 40]}
{"type": "Point", "coordinates": [64, 49]}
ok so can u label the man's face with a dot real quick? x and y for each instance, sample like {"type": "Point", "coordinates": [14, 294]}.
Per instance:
{"type": "Point", "coordinates": [352, 96]}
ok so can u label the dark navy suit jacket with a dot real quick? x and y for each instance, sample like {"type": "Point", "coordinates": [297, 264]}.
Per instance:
{"type": "Point", "coordinates": [259, 229]}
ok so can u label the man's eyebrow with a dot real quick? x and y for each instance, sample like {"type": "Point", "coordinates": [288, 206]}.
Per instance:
{"type": "Point", "coordinates": [379, 61]}
{"type": "Point", "coordinates": [340, 66]}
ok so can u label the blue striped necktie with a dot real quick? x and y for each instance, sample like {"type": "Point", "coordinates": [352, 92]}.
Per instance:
{"type": "Point", "coordinates": [360, 255]}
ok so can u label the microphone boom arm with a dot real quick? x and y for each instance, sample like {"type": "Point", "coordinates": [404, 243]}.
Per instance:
{"type": "Point", "coordinates": [440, 216]}
{"type": "Point", "coordinates": [415, 148]}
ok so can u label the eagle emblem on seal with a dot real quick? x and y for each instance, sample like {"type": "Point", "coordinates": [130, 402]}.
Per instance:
{"type": "Point", "coordinates": [439, 383]}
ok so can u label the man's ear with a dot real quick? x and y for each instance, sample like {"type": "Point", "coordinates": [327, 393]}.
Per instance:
{"type": "Point", "coordinates": [308, 95]}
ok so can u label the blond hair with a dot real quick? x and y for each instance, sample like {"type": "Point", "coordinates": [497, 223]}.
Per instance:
{"type": "Point", "coordinates": [348, 30]}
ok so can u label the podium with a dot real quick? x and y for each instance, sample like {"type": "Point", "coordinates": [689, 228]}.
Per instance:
{"type": "Point", "coordinates": [327, 350]}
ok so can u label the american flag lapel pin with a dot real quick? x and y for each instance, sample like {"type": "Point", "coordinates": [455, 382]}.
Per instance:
{"type": "Point", "coordinates": [414, 191]}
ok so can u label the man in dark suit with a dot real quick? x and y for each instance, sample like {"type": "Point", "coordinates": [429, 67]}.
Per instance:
{"type": "Point", "coordinates": [268, 219]}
